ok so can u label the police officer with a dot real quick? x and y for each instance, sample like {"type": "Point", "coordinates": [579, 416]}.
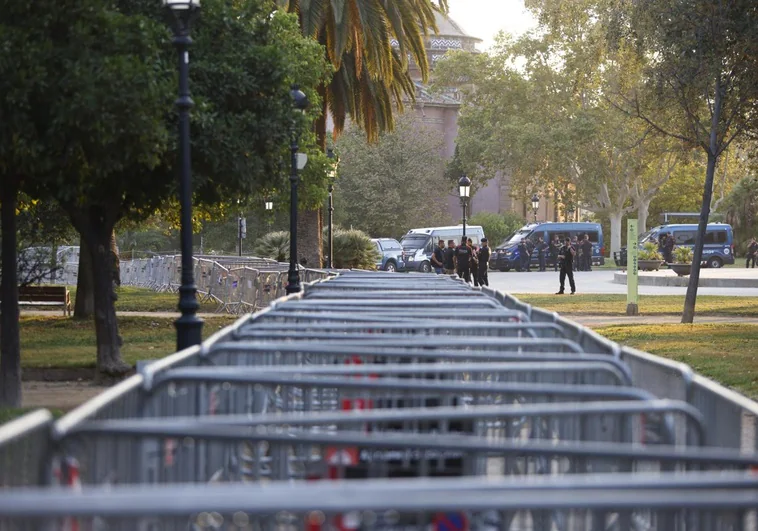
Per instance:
{"type": "Point", "coordinates": [462, 260]}
{"type": "Point", "coordinates": [541, 250]}
{"type": "Point", "coordinates": [555, 246]}
{"type": "Point", "coordinates": [484, 258]}
{"type": "Point", "coordinates": [438, 258]}
{"type": "Point", "coordinates": [668, 249]}
{"type": "Point", "coordinates": [449, 258]}
{"type": "Point", "coordinates": [473, 262]}
{"type": "Point", "coordinates": [524, 257]}
{"type": "Point", "coordinates": [752, 253]}
{"type": "Point", "coordinates": [566, 256]}
{"type": "Point", "coordinates": [587, 253]}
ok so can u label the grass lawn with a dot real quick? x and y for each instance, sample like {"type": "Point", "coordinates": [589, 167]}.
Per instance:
{"type": "Point", "coordinates": [611, 304]}
{"type": "Point", "coordinates": [131, 299]}
{"type": "Point", "coordinates": [55, 341]}
{"type": "Point", "coordinates": [726, 353]}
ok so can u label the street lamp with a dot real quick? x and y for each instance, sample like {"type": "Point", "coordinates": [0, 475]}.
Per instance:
{"type": "Point", "coordinates": [464, 190]}
{"type": "Point", "coordinates": [269, 204]}
{"type": "Point", "coordinates": [188, 327]}
{"type": "Point", "coordinates": [331, 174]}
{"type": "Point", "coordinates": [570, 213]}
{"type": "Point", "coordinates": [297, 160]}
{"type": "Point", "coordinates": [535, 205]}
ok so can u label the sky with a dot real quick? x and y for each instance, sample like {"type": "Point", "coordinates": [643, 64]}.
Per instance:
{"type": "Point", "coordinates": [484, 18]}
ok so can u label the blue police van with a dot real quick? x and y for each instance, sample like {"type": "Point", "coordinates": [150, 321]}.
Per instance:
{"type": "Point", "coordinates": [718, 248]}
{"type": "Point", "coordinates": [506, 256]}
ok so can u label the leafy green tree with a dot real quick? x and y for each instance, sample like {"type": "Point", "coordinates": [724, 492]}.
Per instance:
{"type": "Point", "coordinates": [274, 245]}
{"type": "Point", "coordinates": [91, 124]}
{"type": "Point", "coordinates": [497, 227]}
{"type": "Point", "coordinates": [741, 207]}
{"type": "Point", "coordinates": [703, 83]}
{"type": "Point", "coordinates": [392, 185]}
{"type": "Point", "coordinates": [371, 77]}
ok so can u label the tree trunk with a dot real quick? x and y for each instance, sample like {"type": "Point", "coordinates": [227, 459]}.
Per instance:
{"type": "Point", "coordinates": [99, 238]}
{"type": "Point", "coordinates": [615, 218]}
{"type": "Point", "coordinates": [115, 260]}
{"type": "Point", "coordinates": [84, 305]}
{"type": "Point", "coordinates": [688, 315]}
{"type": "Point", "coordinates": [10, 347]}
{"type": "Point", "coordinates": [643, 208]}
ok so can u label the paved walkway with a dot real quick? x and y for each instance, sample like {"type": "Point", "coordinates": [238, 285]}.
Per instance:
{"type": "Point", "coordinates": [591, 321]}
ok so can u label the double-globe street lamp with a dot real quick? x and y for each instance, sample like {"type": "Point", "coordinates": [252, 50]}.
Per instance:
{"type": "Point", "coordinates": [464, 191]}
{"type": "Point", "coordinates": [331, 175]}
{"type": "Point", "coordinates": [188, 327]}
{"type": "Point", "coordinates": [535, 205]}
{"type": "Point", "coordinates": [297, 160]}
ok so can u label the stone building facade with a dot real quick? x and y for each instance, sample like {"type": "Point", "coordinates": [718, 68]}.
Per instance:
{"type": "Point", "coordinates": [440, 111]}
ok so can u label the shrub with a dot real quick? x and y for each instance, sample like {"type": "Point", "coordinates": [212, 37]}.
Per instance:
{"type": "Point", "coordinates": [649, 252]}
{"type": "Point", "coordinates": [497, 227]}
{"type": "Point", "coordinates": [274, 245]}
{"type": "Point", "coordinates": [682, 255]}
{"type": "Point", "coordinates": [354, 249]}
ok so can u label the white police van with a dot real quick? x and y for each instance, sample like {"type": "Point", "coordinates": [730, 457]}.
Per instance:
{"type": "Point", "coordinates": [418, 244]}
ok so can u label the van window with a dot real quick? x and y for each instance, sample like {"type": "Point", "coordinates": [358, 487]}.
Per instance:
{"type": "Point", "coordinates": [715, 237]}
{"type": "Point", "coordinates": [561, 236]}
{"type": "Point", "coordinates": [685, 237]}
{"type": "Point", "coordinates": [414, 241]}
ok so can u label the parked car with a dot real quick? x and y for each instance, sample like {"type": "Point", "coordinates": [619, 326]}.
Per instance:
{"type": "Point", "coordinates": [391, 253]}
{"type": "Point", "coordinates": [718, 248]}
{"type": "Point", "coordinates": [418, 244]}
{"type": "Point", "coordinates": [506, 255]}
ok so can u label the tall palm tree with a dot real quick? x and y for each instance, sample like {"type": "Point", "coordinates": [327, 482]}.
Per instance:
{"type": "Point", "coordinates": [370, 43]}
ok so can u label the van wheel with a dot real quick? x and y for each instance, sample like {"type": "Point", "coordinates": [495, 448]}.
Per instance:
{"type": "Point", "coordinates": [426, 267]}
{"type": "Point", "coordinates": [715, 262]}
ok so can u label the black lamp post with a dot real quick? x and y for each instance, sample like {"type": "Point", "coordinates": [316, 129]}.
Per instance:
{"type": "Point", "coordinates": [188, 327]}
{"type": "Point", "coordinates": [297, 160]}
{"type": "Point", "coordinates": [269, 204]}
{"type": "Point", "coordinates": [331, 174]}
{"type": "Point", "coordinates": [464, 190]}
{"type": "Point", "coordinates": [535, 205]}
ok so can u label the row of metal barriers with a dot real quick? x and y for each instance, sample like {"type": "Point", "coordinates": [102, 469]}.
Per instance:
{"type": "Point", "coordinates": [375, 401]}
{"type": "Point", "coordinates": [236, 284]}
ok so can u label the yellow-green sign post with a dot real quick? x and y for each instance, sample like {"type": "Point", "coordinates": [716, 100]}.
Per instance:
{"type": "Point", "coordinates": [632, 270]}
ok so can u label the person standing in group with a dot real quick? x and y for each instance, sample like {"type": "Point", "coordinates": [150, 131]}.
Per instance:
{"type": "Point", "coordinates": [566, 257]}
{"type": "Point", "coordinates": [462, 260]}
{"type": "Point", "coordinates": [577, 250]}
{"type": "Point", "coordinates": [484, 259]}
{"type": "Point", "coordinates": [668, 249]}
{"type": "Point", "coordinates": [555, 246]}
{"type": "Point", "coordinates": [438, 258]}
{"type": "Point", "coordinates": [449, 258]}
{"type": "Point", "coordinates": [541, 249]}
{"type": "Point", "coordinates": [474, 263]}
{"type": "Point", "coordinates": [587, 253]}
{"type": "Point", "coordinates": [752, 252]}
{"type": "Point", "coordinates": [524, 258]}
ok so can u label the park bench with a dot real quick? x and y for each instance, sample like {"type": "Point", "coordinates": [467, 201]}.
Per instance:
{"type": "Point", "coordinates": [48, 296]}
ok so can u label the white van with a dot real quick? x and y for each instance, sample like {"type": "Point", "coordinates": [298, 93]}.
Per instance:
{"type": "Point", "coordinates": [418, 244]}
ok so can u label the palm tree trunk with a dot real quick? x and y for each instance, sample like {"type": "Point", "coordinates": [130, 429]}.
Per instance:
{"type": "Point", "coordinates": [309, 221]}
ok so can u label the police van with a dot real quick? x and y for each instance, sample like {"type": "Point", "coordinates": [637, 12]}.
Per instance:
{"type": "Point", "coordinates": [506, 256]}
{"type": "Point", "coordinates": [718, 248]}
{"type": "Point", "coordinates": [418, 244]}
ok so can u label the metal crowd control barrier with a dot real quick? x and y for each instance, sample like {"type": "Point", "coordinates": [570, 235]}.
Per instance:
{"type": "Point", "coordinates": [436, 406]}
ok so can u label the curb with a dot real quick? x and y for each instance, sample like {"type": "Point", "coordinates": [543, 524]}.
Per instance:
{"type": "Point", "coordinates": [645, 280]}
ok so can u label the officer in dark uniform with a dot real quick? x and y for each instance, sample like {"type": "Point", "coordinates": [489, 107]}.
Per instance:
{"type": "Point", "coordinates": [524, 257]}
{"type": "Point", "coordinates": [541, 250]}
{"type": "Point", "coordinates": [555, 246]}
{"type": "Point", "coordinates": [484, 259]}
{"type": "Point", "coordinates": [752, 252]}
{"type": "Point", "coordinates": [462, 258]}
{"type": "Point", "coordinates": [668, 249]}
{"type": "Point", "coordinates": [566, 257]}
{"type": "Point", "coordinates": [587, 253]}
